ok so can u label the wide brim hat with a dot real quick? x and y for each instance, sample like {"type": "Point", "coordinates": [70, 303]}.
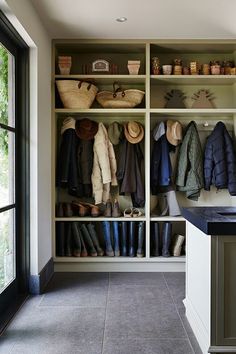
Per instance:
{"type": "Point", "coordinates": [115, 133]}
{"type": "Point", "coordinates": [86, 129]}
{"type": "Point", "coordinates": [134, 132]}
{"type": "Point", "coordinates": [174, 132]}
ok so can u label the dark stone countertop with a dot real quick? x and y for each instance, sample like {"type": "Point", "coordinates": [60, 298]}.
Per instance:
{"type": "Point", "coordinates": [212, 220]}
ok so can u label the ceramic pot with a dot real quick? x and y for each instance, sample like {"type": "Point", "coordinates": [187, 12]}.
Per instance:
{"type": "Point", "coordinates": [167, 69]}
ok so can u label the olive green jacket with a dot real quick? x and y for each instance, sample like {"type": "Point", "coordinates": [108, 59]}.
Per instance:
{"type": "Point", "coordinates": [189, 177]}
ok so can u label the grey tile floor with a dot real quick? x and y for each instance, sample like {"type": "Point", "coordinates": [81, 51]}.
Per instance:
{"type": "Point", "coordinates": [104, 313]}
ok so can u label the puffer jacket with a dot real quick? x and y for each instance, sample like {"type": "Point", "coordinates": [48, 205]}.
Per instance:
{"type": "Point", "coordinates": [189, 176]}
{"type": "Point", "coordinates": [220, 160]}
{"type": "Point", "coordinates": [104, 166]}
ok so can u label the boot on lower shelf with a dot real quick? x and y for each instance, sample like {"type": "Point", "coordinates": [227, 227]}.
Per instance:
{"type": "Point", "coordinates": [76, 239]}
{"type": "Point", "coordinates": [107, 236]}
{"type": "Point", "coordinates": [155, 240]}
{"type": "Point", "coordinates": [68, 239]}
{"type": "Point", "coordinates": [60, 232]}
{"type": "Point", "coordinates": [94, 237]}
{"type": "Point", "coordinates": [124, 225]}
{"type": "Point", "coordinates": [84, 252]}
{"type": "Point", "coordinates": [140, 250]}
{"type": "Point", "coordinates": [132, 238]}
{"type": "Point", "coordinates": [166, 238]}
{"type": "Point", "coordinates": [88, 241]}
{"type": "Point", "coordinates": [177, 244]}
{"type": "Point", "coordinates": [115, 225]}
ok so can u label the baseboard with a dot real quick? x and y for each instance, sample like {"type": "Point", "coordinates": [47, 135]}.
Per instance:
{"type": "Point", "coordinates": [118, 267]}
{"type": "Point", "coordinates": [222, 349]}
{"type": "Point", "coordinates": [37, 283]}
{"type": "Point", "coordinates": [197, 326]}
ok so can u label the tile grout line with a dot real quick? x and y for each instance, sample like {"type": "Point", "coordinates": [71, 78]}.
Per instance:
{"type": "Point", "coordinates": [176, 308]}
{"type": "Point", "coordinates": [105, 313]}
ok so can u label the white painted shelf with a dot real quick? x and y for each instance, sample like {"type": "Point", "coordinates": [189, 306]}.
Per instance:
{"type": "Point", "coordinates": [167, 218]}
{"type": "Point", "coordinates": [100, 218]}
{"type": "Point", "coordinates": [102, 111]}
{"type": "Point", "coordinates": [227, 112]}
{"type": "Point", "coordinates": [106, 79]}
{"type": "Point", "coordinates": [105, 259]}
{"type": "Point", "coordinates": [193, 79]}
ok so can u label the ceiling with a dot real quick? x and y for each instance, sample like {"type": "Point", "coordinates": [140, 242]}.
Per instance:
{"type": "Point", "coordinates": [146, 19]}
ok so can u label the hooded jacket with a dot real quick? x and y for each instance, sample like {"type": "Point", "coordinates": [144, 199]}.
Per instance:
{"type": "Point", "coordinates": [220, 160]}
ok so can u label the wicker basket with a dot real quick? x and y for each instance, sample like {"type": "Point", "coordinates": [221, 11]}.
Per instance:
{"type": "Point", "coordinates": [76, 94]}
{"type": "Point", "coordinates": [120, 98]}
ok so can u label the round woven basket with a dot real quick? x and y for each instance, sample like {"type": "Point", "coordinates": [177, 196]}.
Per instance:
{"type": "Point", "coordinates": [76, 94]}
{"type": "Point", "coordinates": [125, 99]}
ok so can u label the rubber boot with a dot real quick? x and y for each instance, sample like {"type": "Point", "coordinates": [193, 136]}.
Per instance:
{"type": "Point", "coordinates": [156, 242]}
{"type": "Point", "coordinates": [115, 225]}
{"type": "Point", "coordinates": [166, 238]}
{"type": "Point", "coordinates": [132, 227]}
{"type": "Point", "coordinates": [84, 252]}
{"type": "Point", "coordinates": [68, 237]}
{"type": "Point", "coordinates": [124, 238]}
{"type": "Point", "coordinates": [94, 237]}
{"type": "Point", "coordinates": [108, 209]}
{"type": "Point", "coordinates": [140, 250]}
{"type": "Point", "coordinates": [88, 241]}
{"type": "Point", "coordinates": [60, 232]}
{"type": "Point", "coordinates": [76, 239]}
{"type": "Point", "coordinates": [107, 236]}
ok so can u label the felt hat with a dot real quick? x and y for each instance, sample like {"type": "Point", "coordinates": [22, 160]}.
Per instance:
{"type": "Point", "coordinates": [86, 129]}
{"type": "Point", "coordinates": [174, 132]}
{"type": "Point", "coordinates": [134, 132]}
{"type": "Point", "coordinates": [115, 132]}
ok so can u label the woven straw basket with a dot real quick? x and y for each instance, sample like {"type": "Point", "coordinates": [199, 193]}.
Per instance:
{"type": "Point", "coordinates": [120, 98]}
{"type": "Point", "coordinates": [76, 94]}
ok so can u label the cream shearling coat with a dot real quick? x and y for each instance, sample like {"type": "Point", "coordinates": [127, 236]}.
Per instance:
{"type": "Point", "coordinates": [104, 166]}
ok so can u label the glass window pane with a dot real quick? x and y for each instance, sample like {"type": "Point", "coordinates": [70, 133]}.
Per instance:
{"type": "Point", "coordinates": [7, 85]}
{"type": "Point", "coordinates": [7, 167]}
{"type": "Point", "coordinates": [7, 248]}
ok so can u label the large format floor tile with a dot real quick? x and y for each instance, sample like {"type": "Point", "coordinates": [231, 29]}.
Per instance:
{"type": "Point", "coordinates": [145, 279]}
{"type": "Point", "coordinates": [176, 285]}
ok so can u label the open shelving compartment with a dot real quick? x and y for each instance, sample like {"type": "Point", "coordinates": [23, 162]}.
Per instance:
{"type": "Point", "coordinates": [148, 113]}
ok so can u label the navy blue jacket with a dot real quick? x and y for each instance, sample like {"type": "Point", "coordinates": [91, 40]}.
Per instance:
{"type": "Point", "coordinates": [220, 160]}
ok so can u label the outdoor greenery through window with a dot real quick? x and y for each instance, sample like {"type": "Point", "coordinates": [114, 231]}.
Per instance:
{"type": "Point", "coordinates": [7, 169]}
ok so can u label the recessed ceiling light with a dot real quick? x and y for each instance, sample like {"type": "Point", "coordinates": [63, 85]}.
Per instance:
{"type": "Point", "coordinates": [121, 19]}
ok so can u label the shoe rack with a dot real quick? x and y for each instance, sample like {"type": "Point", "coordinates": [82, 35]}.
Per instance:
{"type": "Point", "coordinates": [149, 113]}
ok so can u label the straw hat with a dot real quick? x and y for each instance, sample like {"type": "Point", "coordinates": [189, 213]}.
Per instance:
{"type": "Point", "coordinates": [134, 132]}
{"type": "Point", "coordinates": [86, 129]}
{"type": "Point", "coordinates": [174, 132]}
{"type": "Point", "coordinates": [115, 131]}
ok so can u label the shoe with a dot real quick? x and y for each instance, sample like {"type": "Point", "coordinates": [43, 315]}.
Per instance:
{"type": "Point", "coordinates": [88, 241]}
{"type": "Point", "coordinates": [76, 239]}
{"type": "Point", "coordinates": [94, 237]}
{"type": "Point", "coordinates": [107, 236]}
{"type": "Point", "coordinates": [116, 213]}
{"type": "Point", "coordinates": [177, 244]}
{"type": "Point", "coordinates": [60, 231]}
{"type": "Point", "coordinates": [93, 209]}
{"type": "Point", "coordinates": [80, 209]}
{"type": "Point", "coordinates": [115, 225]}
{"type": "Point", "coordinates": [68, 212]}
{"type": "Point", "coordinates": [124, 225]}
{"type": "Point", "coordinates": [132, 243]}
{"type": "Point", "coordinates": [108, 210]}
{"type": "Point", "coordinates": [162, 207]}
{"type": "Point", "coordinates": [155, 240]}
{"type": "Point", "coordinates": [166, 238]}
{"type": "Point", "coordinates": [140, 250]}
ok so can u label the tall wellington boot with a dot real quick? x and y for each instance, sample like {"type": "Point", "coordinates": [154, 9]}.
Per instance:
{"type": "Point", "coordinates": [166, 238]}
{"type": "Point", "coordinates": [132, 229]}
{"type": "Point", "coordinates": [115, 225]}
{"type": "Point", "coordinates": [76, 239]}
{"type": "Point", "coordinates": [156, 241]}
{"type": "Point", "coordinates": [60, 232]}
{"type": "Point", "coordinates": [84, 252]}
{"type": "Point", "coordinates": [94, 237]}
{"type": "Point", "coordinates": [140, 250]}
{"type": "Point", "coordinates": [68, 239]}
{"type": "Point", "coordinates": [107, 236]}
{"type": "Point", "coordinates": [88, 241]}
{"type": "Point", "coordinates": [124, 225]}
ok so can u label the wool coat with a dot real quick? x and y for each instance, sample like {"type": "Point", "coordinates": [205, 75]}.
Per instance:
{"type": "Point", "coordinates": [85, 165]}
{"type": "Point", "coordinates": [220, 160]}
{"type": "Point", "coordinates": [104, 166]}
{"type": "Point", "coordinates": [189, 177]}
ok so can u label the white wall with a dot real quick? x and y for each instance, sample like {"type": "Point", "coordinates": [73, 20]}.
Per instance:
{"type": "Point", "coordinates": [24, 18]}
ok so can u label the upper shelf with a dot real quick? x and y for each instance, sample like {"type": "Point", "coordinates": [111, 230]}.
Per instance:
{"type": "Point", "coordinates": [193, 79]}
{"type": "Point", "coordinates": [106, 79]}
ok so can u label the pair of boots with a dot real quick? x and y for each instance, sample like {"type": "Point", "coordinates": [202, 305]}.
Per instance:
{"type": "Point", "coordinates": [64, 231]}
{"type": "Point", "coordinates": [126, 242]}
{"type": "Point", "coordinates": [112, 210]}
{"type": "Point", "coordinates": [161, 241]}
{"type": "Point", "coordinates": [85, 241]}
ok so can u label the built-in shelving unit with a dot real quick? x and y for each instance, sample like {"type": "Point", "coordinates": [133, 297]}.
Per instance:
{"type": "Point", "coordinates": [149, 113]}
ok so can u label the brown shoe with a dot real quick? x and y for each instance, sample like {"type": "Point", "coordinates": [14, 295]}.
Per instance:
{"type": "Point", "coordinates": [108, 209]}
{"type": "Point", "coordinates": [80, 209]}
{"type": "Point", "coordinates": [116, 213]}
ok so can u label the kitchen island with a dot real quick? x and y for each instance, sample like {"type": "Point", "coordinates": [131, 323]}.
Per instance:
{"type": "Point", "coordinates": [210, 300]}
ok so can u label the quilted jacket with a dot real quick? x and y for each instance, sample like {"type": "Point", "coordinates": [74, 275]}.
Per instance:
{"type": "Point", "coordinates": [189, 177]}
{"type": "Point", "coordinates": [220, 160]}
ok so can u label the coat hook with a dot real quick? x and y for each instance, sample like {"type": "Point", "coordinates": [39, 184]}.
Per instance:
{"type": "Point", "coordinates": [206, 124]}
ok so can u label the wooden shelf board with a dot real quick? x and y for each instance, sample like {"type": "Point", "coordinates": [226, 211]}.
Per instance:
{"type": "Point", "coordinates": [105, 259]}
{"type": "Point", "coordinates": [193, 79]}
